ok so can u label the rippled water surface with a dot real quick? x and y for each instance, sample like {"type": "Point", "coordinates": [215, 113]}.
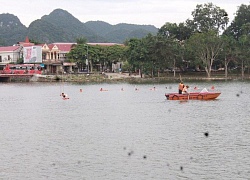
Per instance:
{"type": "Point", "coordinates": [123, 134]}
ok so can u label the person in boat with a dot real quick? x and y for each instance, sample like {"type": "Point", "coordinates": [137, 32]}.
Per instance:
{"type": "Point", "coordinates": [181, 87]}
{"type": "Point", "coordinates": [185, 89]}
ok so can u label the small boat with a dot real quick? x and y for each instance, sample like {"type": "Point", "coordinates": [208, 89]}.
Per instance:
{"type": "Point", "coordinates": [193, 96]}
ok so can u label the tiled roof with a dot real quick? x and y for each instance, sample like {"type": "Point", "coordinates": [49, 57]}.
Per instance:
{"type": "Point", "coordinates": [66, 47]}
{"type": "Point", "coordinates": [50, 46]}
{"type": "Point", "coordinates": [26, 43]}
{"type": "Point", "coordinates": [105, 44]}
{"type": "Point", "coordinates": [9, 48]}
{"type": "Point", "coordinates": [63, 47]}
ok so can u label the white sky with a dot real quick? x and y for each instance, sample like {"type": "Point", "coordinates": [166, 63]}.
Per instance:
{"type": "Point", "coordinates": [143, 12]}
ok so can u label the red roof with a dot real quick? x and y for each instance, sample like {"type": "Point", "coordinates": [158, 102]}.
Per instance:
{"type": "Point", "coordinates": [51, 46]}
{"type": "Point", "coordinates": [105, 44]}
{"type": "Point", "coordinates": [9, 48]}
{"type": "Point", "coordinates": [66, 47]}
{"type": "Point", "coordinates": [26, 43]}
{"type": "Point", "coordinates": [27, 40]}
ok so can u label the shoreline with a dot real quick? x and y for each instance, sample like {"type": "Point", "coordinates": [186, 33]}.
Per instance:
{"type": "Point", "coordinates": [124, 77]}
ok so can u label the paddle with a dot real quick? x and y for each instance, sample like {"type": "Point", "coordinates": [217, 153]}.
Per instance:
{"type": "Point", "coordinates": [180, 77]}
{"type": "Point", "coordinates": [188, 92]}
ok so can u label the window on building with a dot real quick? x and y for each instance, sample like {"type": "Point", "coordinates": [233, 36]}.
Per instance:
{"type": "Point", "coordinates": [8, 57]}
{"type": "Point", "coordinates": [0, 58]}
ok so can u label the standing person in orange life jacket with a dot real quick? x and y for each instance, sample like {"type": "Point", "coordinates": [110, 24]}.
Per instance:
{"type": "Point", "coordinates": [181, 86]}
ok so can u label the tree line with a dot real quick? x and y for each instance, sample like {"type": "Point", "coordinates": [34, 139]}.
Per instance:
{"type": "Point", "coordinates": [205, 42]}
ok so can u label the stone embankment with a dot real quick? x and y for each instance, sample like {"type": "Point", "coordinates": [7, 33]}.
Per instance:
{"type": "Point", "coordinates": [126, 77]}
{"type": "Point", "coordinates": [107, 77]}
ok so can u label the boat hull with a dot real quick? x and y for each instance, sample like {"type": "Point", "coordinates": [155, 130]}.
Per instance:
{"type": "Point", "coordinates": [193, 96]}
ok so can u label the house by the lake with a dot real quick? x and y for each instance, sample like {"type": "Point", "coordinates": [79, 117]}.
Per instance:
{"type": "Point", "coordinates": [52, 57]}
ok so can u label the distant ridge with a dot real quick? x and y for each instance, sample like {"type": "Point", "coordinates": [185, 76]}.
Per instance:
{"type": "Point", "coordinates": [61, 26]}
{"type": "Point", "coordinates": [11, 30]}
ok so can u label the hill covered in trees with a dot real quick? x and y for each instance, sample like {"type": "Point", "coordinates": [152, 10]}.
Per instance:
{"type": "Point", "coordinates": [61, 26]}
{"type": "Point", "coordinates": [11, 29]}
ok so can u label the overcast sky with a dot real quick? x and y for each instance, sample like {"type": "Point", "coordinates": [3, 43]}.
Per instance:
{"type": "Point", "coordinates": [143, 12]}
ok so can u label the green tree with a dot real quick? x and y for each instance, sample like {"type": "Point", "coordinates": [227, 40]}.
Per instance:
{"type": "Point", "coordinates": [35, 42]}
{"type": "Point", "coordinates": [180, 32]}
{"type": "Point", "coordinates": [206, 47]}
{"type": "Point", "coordinates": [81, 40]}
{"type": "Point", "coordinates": [90, 56]}
{"type": "Point", "coordinates": [169, 51]}
{"type": "Point", "coordinates": [244, 52]}
{"type": "Point", "coordinates": [153, 54]}
{"type": "Point", "coordinates": [114, 54]}
{"type": "Point", "coordinates": [228, 52]}
{"type": "Point", "coordinates": [134, 53]}
{"type": "Point", "coordinates": [79, 55]}
{"type": "Point", "coordinates": [208, 17]}
{"type": "Point", "coordinates": [148, 58]}
{"type": "Point", "coordinates": [242, 17]}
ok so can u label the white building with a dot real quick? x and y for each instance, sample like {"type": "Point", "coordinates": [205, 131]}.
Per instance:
{"type": "Point", "coordinates": [9, 54]}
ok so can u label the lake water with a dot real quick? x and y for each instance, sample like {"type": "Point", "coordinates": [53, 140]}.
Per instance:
{"type": "Point", "coordinates": [123, 134]}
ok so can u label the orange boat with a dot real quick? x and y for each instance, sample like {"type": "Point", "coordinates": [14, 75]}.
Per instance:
{"type": "Point", "coordinates": [193, 96]}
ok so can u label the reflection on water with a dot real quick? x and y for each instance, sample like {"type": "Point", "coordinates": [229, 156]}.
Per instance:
{"type": "Point", "coordinates": [125, 134]}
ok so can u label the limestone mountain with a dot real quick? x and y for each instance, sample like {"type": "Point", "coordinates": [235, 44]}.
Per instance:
{"type": "Point", "coordinates": [61, 26]}
{"type": "Point", "coordinates": [120, 32]}
{"type": "Point", "coordinates": [71, 26]}
{"type": "Point", "coordinates": [11, 29]}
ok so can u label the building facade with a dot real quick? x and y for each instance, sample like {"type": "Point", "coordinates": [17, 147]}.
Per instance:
{"type": "Point", "coordinates": [9, 54]}
{"type": "Point", "coordinates": [53, 55]}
